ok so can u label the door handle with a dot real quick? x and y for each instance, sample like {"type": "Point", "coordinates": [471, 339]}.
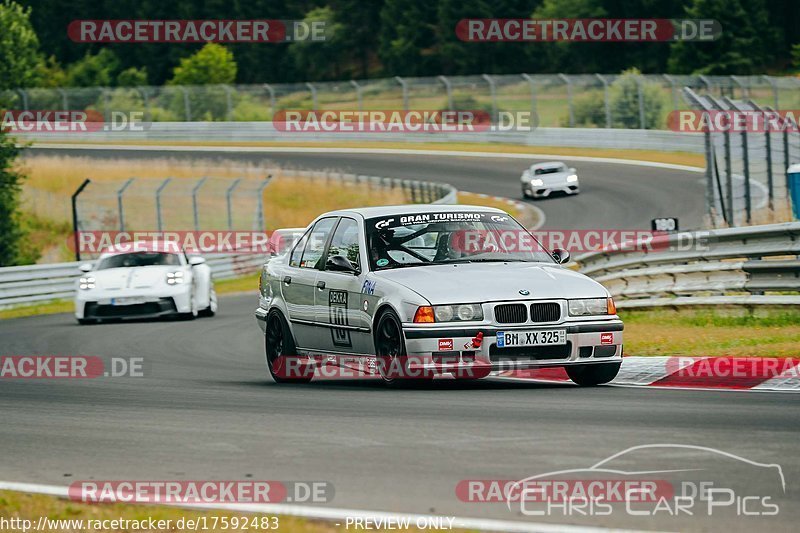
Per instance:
{"type": "Point", "coordinates": [287, 280]}
{"type": "Point", "coordinates": [320, 285]}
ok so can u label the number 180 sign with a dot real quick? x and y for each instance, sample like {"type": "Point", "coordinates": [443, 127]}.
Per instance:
{"type": "Point", "coordinates": [664, 224]}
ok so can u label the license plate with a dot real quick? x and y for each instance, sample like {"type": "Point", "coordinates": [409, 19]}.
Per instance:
{"type": "Point", "coordinates": [539, 337]}
{"type": "Point", "coordinates": [131, 300]}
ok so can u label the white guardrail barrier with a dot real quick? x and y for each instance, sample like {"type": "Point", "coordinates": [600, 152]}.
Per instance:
{"type": "Point", "coordinates": [30, 284]}
{"type": "Point", "coordinates": [754, 265]}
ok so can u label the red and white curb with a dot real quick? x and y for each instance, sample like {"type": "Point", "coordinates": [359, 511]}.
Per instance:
{"type": "Point", "coordinates": [717, 373]}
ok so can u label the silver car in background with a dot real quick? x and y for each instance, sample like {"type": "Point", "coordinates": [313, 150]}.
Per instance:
{"type": "Point", "coordinates": [421, 291]}
{"type": "Point", "coordinates": [543, 179]}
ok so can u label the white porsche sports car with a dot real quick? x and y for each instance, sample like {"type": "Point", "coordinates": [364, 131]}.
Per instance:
{"type": "Point", "coordinates": [144, 280]}
{"type": "Point", "coordinates": [543, 179]}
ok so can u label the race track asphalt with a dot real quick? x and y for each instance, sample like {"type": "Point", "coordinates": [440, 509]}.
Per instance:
{"type": "Point", "coordinates": [207, 409]}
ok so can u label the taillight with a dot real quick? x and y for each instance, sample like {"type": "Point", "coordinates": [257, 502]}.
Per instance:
{"type": "Point", "coordinates": [424, 314]}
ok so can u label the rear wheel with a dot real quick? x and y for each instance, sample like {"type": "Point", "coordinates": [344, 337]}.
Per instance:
{"type": "Point", "coordinates": [281, 354]}
{"type": "Point", "coordinates": [593, 374]}
{"type": "Point", "coordinates": [393, 363]}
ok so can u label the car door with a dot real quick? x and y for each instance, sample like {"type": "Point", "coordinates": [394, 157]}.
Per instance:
{"type": "Point", "coordinates": [339, 304]}
{"type": "Point", "coordinates": [299, 282]}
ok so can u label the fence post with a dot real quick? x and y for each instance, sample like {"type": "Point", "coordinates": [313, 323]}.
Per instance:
{"type": "Point", "coordinates": [120, 210]}
{"type": "Point", "coordinates": [640, 93]}
{"type": "Point", "coordinates": [492, 94]}
{"type": "Point", "coordinates": [64, 99]}
{"type": "Point", "coordinates": [566, 80]}
{"type": "Point", "coordinates": [449, 90]}
{"type": "Point", "coordinates": [75, 220]}
{"type": "Point", "coordinates": [194, 203]}
{"type": "Point", "coordinates": [271, 91]}
{"type": "Point", "coordinates": [748, 204]}
{"type": "Point", "coordinates": [673, 91]}
{"type": "Point", "coordinates": [228, 101]}
{"type": "Point", "coordinates": [228, 194]}
{"type": "Point", "coordinates": [728, 171]}
{"type": "Point", "coordinates": [143, 92]}
{"type": "Point", "coordinates": [260, 212]}
{"type": "Point", "coordinates": [357, 87]}
{"type": "Point", "coordinates": [532, 84]}
{"type": "Point", "coordinates": [187, 107]}
{"type": "Point", "coordinates": [707, 83]}
{"type": "Point", "coordinates": [774, 87]}
{"type": "Point", "coordinates": [404, 86]}
{"type": "Point", "coordinates": [768, 139]}
{"type": "Point", "coordinates": [106, 101]}
{"type": "Point", "coordinates": [158, 202]}
{"type": "Point", "coordinates": [710, 158]}
{"type": "Point", "coordinates": [313, 95]}
{"type": "Point", "coordinates": [24, 95]}
{"type": "Point", "coordinates": [745, 90]}
{"type": "Point", "coordinates": [605, 99]}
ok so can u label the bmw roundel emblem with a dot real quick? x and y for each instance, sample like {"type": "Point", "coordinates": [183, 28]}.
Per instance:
{"type": "Point", "coordinates": [524, 292]}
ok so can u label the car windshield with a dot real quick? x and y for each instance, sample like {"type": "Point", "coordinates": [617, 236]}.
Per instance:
{"type": "Point", "coordinates": [548, 170]}
{"type": "Point", "coordinates": [138, 259]}
{"type": "Point", "coordinates": [434, 238]}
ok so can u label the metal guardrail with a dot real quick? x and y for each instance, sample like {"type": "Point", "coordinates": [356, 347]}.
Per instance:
{"type": "Point", "coordinates": [742, 266]}
{"type": "Point", "coordinates": [254, 132]}
{"type": "Point", "coordinates": [39, 283]}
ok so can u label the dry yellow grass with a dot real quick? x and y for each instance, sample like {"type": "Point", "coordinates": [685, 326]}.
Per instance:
{"type": "Point", "coordinates": [15, 505]}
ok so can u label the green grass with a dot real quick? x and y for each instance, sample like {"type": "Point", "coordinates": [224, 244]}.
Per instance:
{"type": "Point", "coordinates": [768, 332]}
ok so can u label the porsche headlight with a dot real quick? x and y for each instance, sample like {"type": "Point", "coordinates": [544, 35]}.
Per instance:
{"type": "Point", "coordinates": [174, 278]}
{"type": "Point", "coordinates": [458, 312]}
{"type": "Point", "coordinates": [86, 283]}
{"type": "Point", "coordinates": [538, 182]}
{"type": "Point", "coordinates": [589, 306]}
{"type": "Point", "coordinates": [572, 178]}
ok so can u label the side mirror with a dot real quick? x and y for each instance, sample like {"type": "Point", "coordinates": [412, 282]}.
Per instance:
{"type": "Point", "coordinates": [339, 263]}
{"type": "Point", "coordinates": [561, 256]}
{"type": "Point", "coordinates": [86, 267]}
{"type": "Point", "coordinates": [196, 260]}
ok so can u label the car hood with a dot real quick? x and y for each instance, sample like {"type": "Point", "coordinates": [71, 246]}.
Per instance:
{"type": "Point", "coordinates": [132, 277]}
{"type": "Point", "coordinates": [486, 282]}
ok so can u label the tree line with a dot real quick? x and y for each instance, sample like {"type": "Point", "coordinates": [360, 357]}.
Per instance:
{"type": "Point", "coordinates": [379, 38]}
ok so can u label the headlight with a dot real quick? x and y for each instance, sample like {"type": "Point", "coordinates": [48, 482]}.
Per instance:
{"type": "Point", "coordinates": [572, 178]}
{"type": "Point", "coordinates": [174, 278]}
{"type": "Point", "coordinates": [538, 182]}
{"type": "Point", "coordinates": [591, 306]}
{"type": "Point", "coordinates": [86, 283]}
{"type": "Point", "coordinates": [460, 312]}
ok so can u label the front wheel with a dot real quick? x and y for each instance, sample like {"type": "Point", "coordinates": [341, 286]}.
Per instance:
{"type": "Point", "coordinates": [390, 349]}
{"type": "Point", "coordinates": [593, 374]}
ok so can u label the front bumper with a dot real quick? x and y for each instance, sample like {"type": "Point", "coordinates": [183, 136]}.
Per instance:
{"type": "Point", "coordinates": [452, 349]}
{"type": "Point", "coordinates": [133, 303]}
{"type": "Point", "coordinates": [546, 190]}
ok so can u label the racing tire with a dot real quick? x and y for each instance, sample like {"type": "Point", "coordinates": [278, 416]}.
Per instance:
{"type": "Point", "coordinates": [278, 344]}
{"type": "Point", "coordinates": [593, 374]}
{"type": "Point", "coordinates": [390, 349]}
{"type": "Point", "coordinates": [212, 304]}
{"type": "Point", "coordinates": [87, 321]}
